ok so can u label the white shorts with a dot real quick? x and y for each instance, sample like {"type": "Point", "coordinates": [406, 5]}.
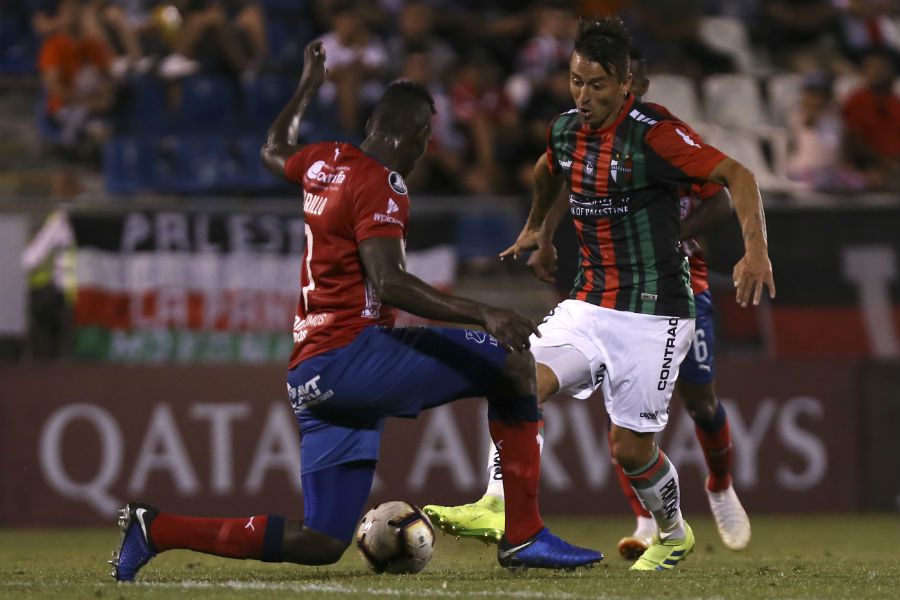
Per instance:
{"type": "Point", "coordinates": [632, 357]}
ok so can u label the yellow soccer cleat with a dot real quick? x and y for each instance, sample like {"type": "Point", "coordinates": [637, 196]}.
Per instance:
{"type": "Point", "coordinates": [484, 520]}
{"type": "Point", "coordinates": [663, 555]}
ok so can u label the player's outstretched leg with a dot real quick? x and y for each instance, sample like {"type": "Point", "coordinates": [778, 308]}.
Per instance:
{"type": "Point", "coordinates": [656, 484]}
{"type": "Point", "coordinates": [146, 532]}
{"type": "Point", "coordinates": [513, 421]}
{"type": "Point", "coordinates": [714, 434]}
{"type": "Point", "coordinates": [483, 519]}
{"type": "Point", "coordinates": [333, 498]}
{"type": "Point", "coordinates": [632, 546]}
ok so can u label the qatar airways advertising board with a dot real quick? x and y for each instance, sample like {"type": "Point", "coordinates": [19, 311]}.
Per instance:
{"type": "Point", "coordinates": [78, 441]}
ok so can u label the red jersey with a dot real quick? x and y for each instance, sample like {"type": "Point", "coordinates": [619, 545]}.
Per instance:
{"type": "Point", "coordinates": [348, 197]}
{"type": "Point", "coordinates": [691, 198]}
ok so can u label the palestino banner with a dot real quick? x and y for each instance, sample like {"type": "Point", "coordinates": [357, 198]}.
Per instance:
{"type": "Point", "coordinates": [164, 286]}
{"type": "Point", "coordinates": [76, 441]}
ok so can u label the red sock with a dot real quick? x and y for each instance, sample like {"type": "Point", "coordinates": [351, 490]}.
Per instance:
{"type": "Point", "coordinates": [232, 538]}
{"type": "Point", "coordinates": [520, 460]}
{"type": "Point", "coordinates": [636, 507]}
{"type": "Point", "coordinates": [717, 452]}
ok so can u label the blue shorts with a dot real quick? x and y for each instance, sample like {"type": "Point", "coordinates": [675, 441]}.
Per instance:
{"type": "Point", "coordinates": [341, 397]}
{"type": "Point", "coordinates": [697, 367]}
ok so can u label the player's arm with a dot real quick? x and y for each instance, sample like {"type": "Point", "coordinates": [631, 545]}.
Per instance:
{"type": "Point", "coordinates": [543, 261]}
{"type": "Point", "coordinates": [754, 269]}
{"type": "Point", "coordinates": [281, 141]}
{"type": "Point", "coordinates": [546, 190]}
{"type": "Point", "coordinates": [711, 212]}
{"type": "Point", "coordinates": [385, 263]}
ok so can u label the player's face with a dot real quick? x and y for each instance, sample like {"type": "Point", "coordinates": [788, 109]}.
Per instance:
{"type": "Point", "coordinates": [598, 95]}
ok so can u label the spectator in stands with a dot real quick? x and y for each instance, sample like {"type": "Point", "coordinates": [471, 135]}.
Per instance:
{"type": "Point", "coordinates": [867, 25]}
{"type": "Point", "coordinates": [669, 34]}
{"type": "Point", "coordinates": [415, 26]}
{"type": "Point", "coordinates": [441, 169]}
{"type": "Point", "coordinates": [794, 31]}
{"type": "Point", "coordinates": [489, 121]}
{"type": "Point", "coordinates": [106, 20]}
{"type": "Point", "coordinates": [75, 72]}
{"type": "Point", "coordinates": [538, 58]}
{"type": "Point", "coordinates": [549, 100]}
{"type": "Point", "coordinates": [816, 131]}
{"type": "Point", "coordinates": [227, 36]}
{"type": "Point", "coordinates": [872, 122]}
{"type": "Point", "coordinates": [357, 62]}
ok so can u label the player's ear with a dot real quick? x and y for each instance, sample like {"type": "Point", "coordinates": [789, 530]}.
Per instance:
{"type": "Point", "coordinates": [423, 134]}
{"type": "Point", "coordinates": [369, 126]}
{"type": "Point", "coordinates": [626, 85]}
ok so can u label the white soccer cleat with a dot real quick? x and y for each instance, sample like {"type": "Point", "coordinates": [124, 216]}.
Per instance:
{"type": "Point", "coordinates": [731, 518]}
{"type": "Point", "coordinates": [632, 546]}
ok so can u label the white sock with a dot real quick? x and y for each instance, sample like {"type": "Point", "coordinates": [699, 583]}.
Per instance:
{"type": "Point", "coordinates": [657, 486]}
{"type": "Point", "coordinates": [495, 474]}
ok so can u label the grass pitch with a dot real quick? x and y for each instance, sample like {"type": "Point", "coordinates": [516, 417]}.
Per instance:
{"type": "Point", "coordinates": [795, 557]}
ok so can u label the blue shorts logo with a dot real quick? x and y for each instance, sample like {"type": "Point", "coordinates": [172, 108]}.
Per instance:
{"type": "Point", "coordinates": [307, 394]}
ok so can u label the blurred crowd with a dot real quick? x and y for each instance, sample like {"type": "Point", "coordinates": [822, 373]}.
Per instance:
{"type": "Point", "coordinates": [497, 70]}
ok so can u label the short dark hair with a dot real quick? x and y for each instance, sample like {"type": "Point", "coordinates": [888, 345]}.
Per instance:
{"type": "Point", "coordinates": [605, 40]}
{"type": "Point", "coordinates": [404, 87]}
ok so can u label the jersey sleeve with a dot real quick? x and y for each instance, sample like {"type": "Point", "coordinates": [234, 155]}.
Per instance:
{"type": "Point", "coordinates": [380, 206]}
{"type": "Point", "coordinates": [683, 156]}
{"type": "Point", "coordinates": [552, 163]}
{"type": "Point", "coordinates": [295, 166]}
{"type": "Point", "coordinates": [705, 191]}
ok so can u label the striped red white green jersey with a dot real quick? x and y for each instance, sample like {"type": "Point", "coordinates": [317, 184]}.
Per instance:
{"type": "Point", "coordinates": [624, 185]}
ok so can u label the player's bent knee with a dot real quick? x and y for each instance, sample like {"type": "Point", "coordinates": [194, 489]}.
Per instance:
{"type": "Point", "coordinates": [699, 401]}
{"type": "Point", "coordinates": [519, 370]}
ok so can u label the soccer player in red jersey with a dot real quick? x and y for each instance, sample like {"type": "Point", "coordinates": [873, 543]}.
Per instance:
{"type": "Point", "coordinates": [351, 368]}
{"type": "Point", "coordinates": [629, 320]}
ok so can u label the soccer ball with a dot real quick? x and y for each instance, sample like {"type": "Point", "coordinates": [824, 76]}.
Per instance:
{"type": "Point", "coordinates": [395, 537]}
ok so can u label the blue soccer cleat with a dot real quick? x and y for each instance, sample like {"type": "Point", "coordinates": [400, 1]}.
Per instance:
{"type": "Point", "coordinates": [545, 551]}
{"type": "Point", "coordinates": [135, 549]}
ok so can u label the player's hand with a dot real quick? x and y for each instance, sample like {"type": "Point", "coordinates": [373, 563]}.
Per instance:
{"type": "Point", "coordinates": [314, 70]}
{"type": "Point", "coordinates": [751, 273]}
{"type": "Point", "coordinates": [543, 262]}
{"type": "Point", "coordinates": [510, 328]}
{"type": "Point", "coordinates": [529, 239]}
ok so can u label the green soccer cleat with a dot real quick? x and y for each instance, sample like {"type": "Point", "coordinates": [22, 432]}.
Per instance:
{"type": "Point", "coordinates": [663, 555]}
{"type": "Point", "coordinates": [484, 520]}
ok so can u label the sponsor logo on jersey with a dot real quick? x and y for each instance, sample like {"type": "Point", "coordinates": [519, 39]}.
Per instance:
{"type": "Point", "coordinates": [383, 218]}
{"type": "Point", "coordinates": [396, 182]}
{"type": "Point", "coordinates": [599, 375]}
{"type": "Point", "coordinates": [566, 164]}
{"type": "Point", "coordinates": [303, 326]}
{"type": "Point", "coordinates": [589, 167]}
{"type": "Point", "coordinates": [687, 139]}
{"type": "Point", "coordinates": [313, 204]}
{"type": "Point", "coordinates": [621, 164]}
{"type": "Point", "coordinates": [668, 354]}
{"type": "Point", "coordinates": [307, 394]}
{"type": "Point", "coordinates": [605, 206]}
{"type": "Point", "coordinates": [392, 206]}
{"type": "Point", "coordinates": [323, 173]}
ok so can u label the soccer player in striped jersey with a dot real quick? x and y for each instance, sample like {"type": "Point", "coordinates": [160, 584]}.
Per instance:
{"type": "Point", "coordinates": [351, 368]}
{"type": "Point", "coordinates": [629, 320]}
